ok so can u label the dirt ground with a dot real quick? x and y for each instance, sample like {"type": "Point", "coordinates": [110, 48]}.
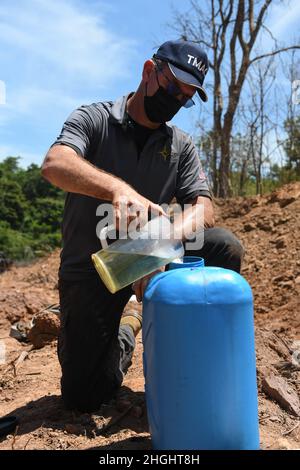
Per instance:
{"type": "Point", "coordinates": [269, 228]}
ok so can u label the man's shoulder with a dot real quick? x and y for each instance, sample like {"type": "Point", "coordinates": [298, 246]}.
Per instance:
{"type": "Point", "coordinates": [97, 109]}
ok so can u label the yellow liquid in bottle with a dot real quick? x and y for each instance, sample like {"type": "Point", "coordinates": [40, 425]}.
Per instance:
{"type": "Point", "coordinates": [118, 270]}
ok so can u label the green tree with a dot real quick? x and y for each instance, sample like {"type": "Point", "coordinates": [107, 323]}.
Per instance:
{"type": "Point", "coordinates": [30, 211]}
{"type": "Point", "coordinates": [292, 144]}
{"type": "Point", "coordinates": [44, 216]}
{"type": "Point", "coordinates": [15, 244]}
{"type": "Point", "coordinates": [12, 203]}
{"type": "Point", "coordinates": [34, 186]}
{"type": "Point", "coordinates": [9, 167]}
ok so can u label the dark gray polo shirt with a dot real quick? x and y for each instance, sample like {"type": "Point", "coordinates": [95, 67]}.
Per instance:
{"type": "Point", "coordinates": [167, 167]}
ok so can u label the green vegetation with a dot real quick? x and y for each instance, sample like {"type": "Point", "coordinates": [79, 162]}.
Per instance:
{"type": "Point", "coordinates": [275, 178]}
{"type": "Point", "coordinates": [292, 145]}
{"type": "Point", "coordinates": [30, 211]}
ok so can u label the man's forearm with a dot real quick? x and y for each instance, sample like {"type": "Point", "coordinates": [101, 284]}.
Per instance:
{"type": "Point", "coordinates": [64, 168]}
{"type": "Point", "coordinates": [198, 216]}
{"type": "Point", "coordinates": [209, 213]}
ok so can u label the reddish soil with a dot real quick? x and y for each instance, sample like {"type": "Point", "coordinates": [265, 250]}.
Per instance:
{"type": "Point", "coordinates": [269, 228]}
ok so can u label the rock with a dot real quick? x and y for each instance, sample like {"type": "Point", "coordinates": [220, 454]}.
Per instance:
{"type": "Point", "coordinates": [249, 226]}
{"type": "Point", "coordinates": [277, 345]}
{"type": "Point", "coordinates": [62, 444]}
{"type": "Point", "coordinates": [288, 200]}
{"type": "Point", "coordinates": [275, 419]}
{"type": "Point", "coordinates": [282, 221]}
{"type": "Point", "coordinates": [258, 265]}
{"type": "Point", "coordinates": [39, 340]}
{"type": "Point", "coordinates": [45, 329]}
{"type": "Point", "coordinates": [285, 195]}
{"type": "Point", "coordinates": [53, 434]}
{"type": "Point", "coordinates": [282, 278]}
{"type": "Point", "coordinates": [265, 225]}
{"type": "Point", "coordinates": [47, 322]}
{"type": "Point", "coordinates": [280, 243]}
{"type": "Point", "coordinates": [283, 444]}
{"type": "Point", "coordinates": [287, 285]}
{"type": "Point", "coordinates": [262, 309]}
{"type": "Point", "coordinates": [279, 390]}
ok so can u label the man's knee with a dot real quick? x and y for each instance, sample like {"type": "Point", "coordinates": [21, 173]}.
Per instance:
{"type": "Point", "coordinates": [227, 247]}
{"type": "Point", "coordinates": [221, 248]}
{"type": "Point", "coordinates": [223, 238]}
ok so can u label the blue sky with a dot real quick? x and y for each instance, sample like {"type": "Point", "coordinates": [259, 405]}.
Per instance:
{"type": "Point", "coordinates": [58, 54]}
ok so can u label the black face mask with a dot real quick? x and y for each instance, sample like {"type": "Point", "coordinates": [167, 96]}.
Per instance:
{"type": "Point", "coordinates": [161, 107]}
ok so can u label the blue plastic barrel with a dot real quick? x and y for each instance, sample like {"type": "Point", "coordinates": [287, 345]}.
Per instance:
{"type": "Point", "coordinates": [199, 360]}
{"type": "Point", "coordinates": [187, 262]}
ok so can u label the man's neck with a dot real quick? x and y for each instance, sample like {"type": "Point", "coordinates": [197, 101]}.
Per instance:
{"type": "Point", "coordinates": [135, 109]}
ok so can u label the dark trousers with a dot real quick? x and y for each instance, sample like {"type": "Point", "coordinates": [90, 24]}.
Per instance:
{"type": "Point", "coordinates": [93, 350]}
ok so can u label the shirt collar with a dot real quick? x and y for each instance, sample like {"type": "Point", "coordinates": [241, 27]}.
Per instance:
{"type": "Point", "coordinates": [118, 115]}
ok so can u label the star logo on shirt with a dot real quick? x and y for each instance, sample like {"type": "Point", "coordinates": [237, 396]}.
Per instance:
{"type": "Point", "coordinates": [165, 152]}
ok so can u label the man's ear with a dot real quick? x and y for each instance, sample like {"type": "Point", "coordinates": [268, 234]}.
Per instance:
{"type": "Point", "coordinates": [147, 70]}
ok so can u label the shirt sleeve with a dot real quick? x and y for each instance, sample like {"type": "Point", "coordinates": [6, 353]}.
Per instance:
{"type": "Point", "coordinates": [80, 130]}
{"type": "Point", "coordinates": [191, 179]}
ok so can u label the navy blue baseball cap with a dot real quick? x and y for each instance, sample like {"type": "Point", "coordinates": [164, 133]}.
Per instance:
{"type": "Point", "coordinates": [187, 62]}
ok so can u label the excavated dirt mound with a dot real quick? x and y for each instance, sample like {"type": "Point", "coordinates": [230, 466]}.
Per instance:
{"type": "Point", "coordinates": [269, 228]}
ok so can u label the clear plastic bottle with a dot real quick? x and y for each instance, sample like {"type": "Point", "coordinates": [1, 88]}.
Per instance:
{"type": "Point", "coordinates": [127, 260]}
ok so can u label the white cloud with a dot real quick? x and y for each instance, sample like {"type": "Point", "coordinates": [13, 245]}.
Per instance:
{"type": "Point", "coordinates": [68, 36]}
{"type": "Point", "coordinates": [2, 92]}
{"type": "Point", "coordinates": [40, 105]}
{"type": "Point", "coordinates": [28, 99]}
{"type": "Point", "coordinates": [284, 17]}
{"type": "Point", "coordinates": [56, 55]}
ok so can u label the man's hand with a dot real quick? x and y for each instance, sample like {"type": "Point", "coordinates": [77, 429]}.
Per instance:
{"type": "Point", "coordinates": [129, 205]}
{"type": "Point", "coordinates": [139, 286]}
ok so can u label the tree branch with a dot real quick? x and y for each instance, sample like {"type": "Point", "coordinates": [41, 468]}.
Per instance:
{"type": "Point", "coordinates": [225, 22]}
{"type": "Point", "coordinates": [237, 27]}
{"type": "Point", "coordinates": [284, 49]}
{"type": "Point", "coordinates": [241, 20]}
{"type": "Point", "coordinates": [258, 23]}
{"type": "Point", "coordinates": [270, 33]}
{"type": "Point", "coordinates": [251, 17]}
